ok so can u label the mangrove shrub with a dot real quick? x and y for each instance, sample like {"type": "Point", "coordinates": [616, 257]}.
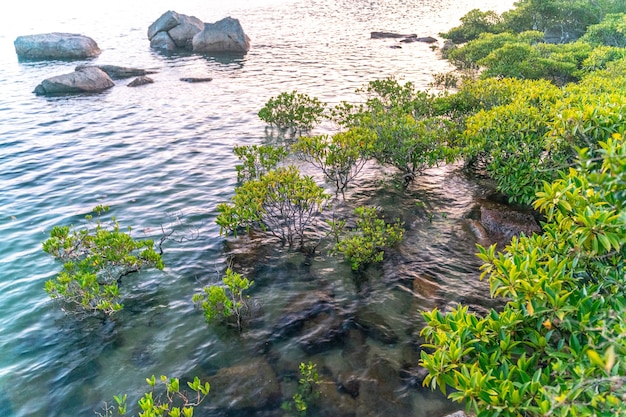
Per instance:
{"type": "Point", "coordinates": [95, 258]}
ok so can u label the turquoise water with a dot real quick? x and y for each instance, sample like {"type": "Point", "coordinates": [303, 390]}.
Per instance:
{"type": "Point", "coordinates": [162, 153]}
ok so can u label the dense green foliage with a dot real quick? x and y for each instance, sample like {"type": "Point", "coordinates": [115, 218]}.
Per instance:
{"type": "Point", "coordinates": [257, 160]}
{"type": "Point", "coordinates": [507, 140]}
{"type": "Point", "coordinates": [282, 202]}
{"type": "Point", "coordinates": [527, 131]}
{"type": "Point", "coordinates": [226, 301]}
{"type": "Point", "coordinates": [558, 345]}
{"type": "Point", "coordinates": [609, 32]}
{"type": "Point", "coordinates": [474, 23]}
{"type": "Point", "coordinates": [565, 19]}
{"type": "Point", "coordinates": [95, 258]}
{"type": "Point", "coordinates": [340, 157]}
{"type": "Point", "coordinates": [293, 110]}
{"type": "Point", "coordinates": [522, 53]}
{"type": "Point", "coordinates": [175, 404]}
{"type": "Point", "coordinates": [370, 238]}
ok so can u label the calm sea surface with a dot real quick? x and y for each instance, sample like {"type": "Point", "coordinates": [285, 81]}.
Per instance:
{"type": "Point", "coordinates": [161, 154]}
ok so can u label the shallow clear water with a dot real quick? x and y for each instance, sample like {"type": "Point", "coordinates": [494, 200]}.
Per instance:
{"type": "Point", "coordinates": [163, 152]}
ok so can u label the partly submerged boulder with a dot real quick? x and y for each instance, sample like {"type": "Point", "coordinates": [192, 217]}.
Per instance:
{"type": "Point", "coordinates": [117, 72]}
{"type": "Point", "coordinates": [392, 35]}
{"type": "Point", "coordinates": [86, 80]}
{"type": "Point", "coordinates": [141, 80]}
{"type": "Point", "coordinates": [174, 31]}
{"type": "Point", "coordinates": [506, 222]}
{"type": "Point", "coordinates": [225, 35]}
{"type": "Point", "coordinates": [56, 46]}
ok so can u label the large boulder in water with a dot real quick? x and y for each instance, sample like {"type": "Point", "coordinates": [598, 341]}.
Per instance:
{"type": "Point", "coordinates": [56, 46]}
{"type": "Point", "coordinates": [225, 35]}
{"type": "Point", "coordinates": [174, 31]}
{"type": "Point", "coordinates": [86, 80]}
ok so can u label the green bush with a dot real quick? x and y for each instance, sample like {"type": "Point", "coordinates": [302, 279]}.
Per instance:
{"type": "Point", "coordinates": [306, 395]}
{"type": "Point", "coordinates": [412, 145]}
{"type": "Point", "coordinates": [294, 110]}
{"type": "Point", "coordinates": [467, 57]}
{"type": "Point", "coordinates": [228, 301]}
{"type": "Point", "coordinates": [340, 157]}
{"type": "Point", "coordinates": [611, 31]}
{"type": "Point", "coordinates": [282, 202]}
{"type": "Point", "coordinates": [508, 143]}
{"type": "Point", "coordinates": [586, 116]}
{"type": "Point", "coordinates": [572, 17]}
{"type": "Point", "coordinates": [95, 259]}
{"type": "Point", "coordinates": [473, 24]}
{"type": "Point", "coordinates": [368, 241]}
{"type": "Point", "coordinates": [175, 404]}
{"type": "Point", "coordinates": [257, 160]}
{"type": "Point", "coordinates": [600, 56]}
{"type": "Point", "coordinates": [557, 63]}
{"type": "Point", "coordinates": [412, 132]}
{"type": "Point", "coordinates": [557, 347]}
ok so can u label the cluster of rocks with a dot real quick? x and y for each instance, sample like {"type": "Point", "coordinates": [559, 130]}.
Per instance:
{"type": "Point", "coordinates": [92, 79]}
{"type": "Point", "coordinates": [173, 31]}
{"type": "Point", "coordinates": [170, 32]}
{"type": "Point", "coordinates": [365, 384]}
{"type": "Point", "coordinates": [404, 38]}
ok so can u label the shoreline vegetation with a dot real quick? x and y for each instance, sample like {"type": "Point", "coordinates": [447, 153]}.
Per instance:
{"type": "Point", "coordinates": [536, 105]}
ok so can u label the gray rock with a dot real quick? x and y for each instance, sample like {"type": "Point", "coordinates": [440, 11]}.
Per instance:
{"type": "Point", "coordinates": [118, 73]}
{"type": "Point", "coordinates": [56, 46]}
{"type": "Point", "coordinates": [501, 220]}
{"type": "Point", "coordinates": [142, 80]}
{"type": "Point", "coordinates": [167, 21]}
{"type": "Point", "coordinates": [225, 35]}
{"type": "Point", "coordinates": [196, 79]}
{"type": "Point", "coordinates": [183, 34]}
{"type": "Point", "coordinates": [392, 35]}
{"type": "Point", "coordinates": [87, 80]}
{"type": "Point", "coordinates": [163, 42]}
{"type": "Point", "coordinates": [426, 39]}
{"type": "Point", "coordinates": [174, 31]}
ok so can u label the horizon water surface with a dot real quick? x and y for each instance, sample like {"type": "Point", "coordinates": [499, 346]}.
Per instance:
{"type": "Point", "coordinates": [162, 153]}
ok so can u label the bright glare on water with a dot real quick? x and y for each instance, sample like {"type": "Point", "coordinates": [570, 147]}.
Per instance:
{"type": "Point", "coordinates": [163, 152]}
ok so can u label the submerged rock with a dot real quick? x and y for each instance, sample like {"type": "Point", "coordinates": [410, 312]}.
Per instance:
{"type": "Point", "coordinates": [300, 311]}
{"type": "Point", "coordinates": [426, 39]}
{"type": "Point", "coordinates": [375, 325]}
{"type": "Point", "coordinates": [87, 80]}
{"type": "Point", "coordinates": [196, 79]}
{"type": "Point", "coordinates": [252, 385]}
{"type": "Point", "coordinates": [56, 45]}
{"type": "Point", "coordinates": [118, 73]}
{"type": "Point", "coordinates": [390, 35]}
